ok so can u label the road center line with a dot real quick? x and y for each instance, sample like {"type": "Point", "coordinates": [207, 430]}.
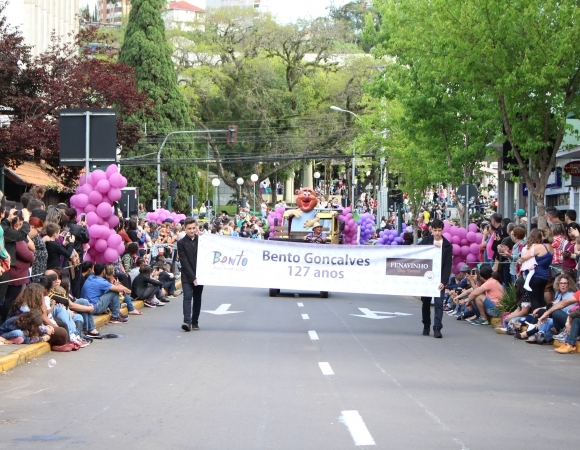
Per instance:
{"type": "Point", "coordinates": [357, 428]}
{"type": "Point", "coordinates": [305, 316]}
{"type": "Point", "coordinates": [301, 305]}
{"type": "Point", "coordinates": [313, 335]}
{"type": "Point", "coordinates": [326, 369]}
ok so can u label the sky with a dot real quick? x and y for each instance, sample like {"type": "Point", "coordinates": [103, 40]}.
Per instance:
{"type": "Point", "coordinates": [285, 10]}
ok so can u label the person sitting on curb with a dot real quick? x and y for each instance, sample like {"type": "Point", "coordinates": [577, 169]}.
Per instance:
{"type": "Point", "coordinates": [23, 329]}
{"type": "Point", "coordinates": [145, 286]}
{"type": "Point", "coordinates": [110, 277]}
{"type": "Point", "coordinates": [81, 308]}
{"type": "Point", "coordinates": [485, 298]}
{"type": "Point", "coordinates": [135, 270]}
{"type": "Point", "coordinates": [104, 295]}
{"type": "Point", "coordinates": [168, 280]}
{"type": "Point", "coordinates": [572, 330]}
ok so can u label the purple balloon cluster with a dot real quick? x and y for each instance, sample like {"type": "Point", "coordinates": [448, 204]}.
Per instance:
{"type": "Point", "coordinates": [366, 223]}
{"type": "Point", "coordinates": [465, 243]}
{"type": "Point", "coordinates": [94, 197]}
{"type": "Point", "coordinates": [391, 237]}
{"type": "Point", "coordinates": [350, 226]}
{"type": "Point", "coordinates": [277, 213]}
{"type": "Point", "coordinates": [160, 215]}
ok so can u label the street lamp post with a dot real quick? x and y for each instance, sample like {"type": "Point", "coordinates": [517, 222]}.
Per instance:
{"type": "Point", "coordinates": [216, 184]}
{"type": "Point", "coordinates": [336, 108]}
{"type": "Point", "coordinates": [254, 179]}
{"type": "Point", "coordinates": [240, 181]}
{"type": "Point", "coordinates": [316, 176]}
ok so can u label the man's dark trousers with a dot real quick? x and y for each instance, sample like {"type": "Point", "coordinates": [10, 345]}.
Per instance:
{"type": "Point", "coordinates": [191, 302]}
{"type": "Point", "coordinates": [426, 310]}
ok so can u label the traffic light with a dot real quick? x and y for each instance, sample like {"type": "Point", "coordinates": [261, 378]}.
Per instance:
{"type": "Point", "coordinates": [495, 203]}
{"type": "Point", "coordinates": [173, 186]}
{"type": "Point", "coordinates": [232, 134]}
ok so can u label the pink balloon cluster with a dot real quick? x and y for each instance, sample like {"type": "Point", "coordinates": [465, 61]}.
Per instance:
{"type": "Point", "coordinates": [159, 215]}
{"type": "Point", "coordinates": [94, 197]}
{"type": "Point", "coordinates": [277, 213]}
{"type": "Point", "coordinates": [366, 223]}
{"type": "Point", "coordinates": [465, 243]}
{"type": "Point", "coordinates": [391, 237]}
{"type": "Point", "coordinates": [350, 226]}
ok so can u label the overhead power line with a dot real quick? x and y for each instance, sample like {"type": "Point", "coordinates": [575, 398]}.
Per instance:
{"type": "Point", "coordinates": [236, 160]}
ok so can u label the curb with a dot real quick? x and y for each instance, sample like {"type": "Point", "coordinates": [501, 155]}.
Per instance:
{"type": "Point", "coordinates": [23, 355]}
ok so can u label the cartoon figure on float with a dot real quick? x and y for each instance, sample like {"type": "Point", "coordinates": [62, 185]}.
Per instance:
{"type": "Point", "coordinates": [306, 215]}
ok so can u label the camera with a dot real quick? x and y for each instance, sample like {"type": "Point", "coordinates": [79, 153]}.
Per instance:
{"type": "Point", "coordinates": [473, 271]}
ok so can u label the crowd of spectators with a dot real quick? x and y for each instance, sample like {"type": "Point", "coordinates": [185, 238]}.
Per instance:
{"type": "Point", "coordinates": [527, 281]}
{"type": "Point", "coordinates": [48, 293]}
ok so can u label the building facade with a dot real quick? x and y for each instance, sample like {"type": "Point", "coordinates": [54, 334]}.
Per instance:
{"type": "Point", "coordinates": [183, 15]}
{"type": "Point", "coordinates": [259, 5]}
{"type": "Point", "coordinates": [38, 19]}
{"type": "Point", "coordinates": [113, 12]}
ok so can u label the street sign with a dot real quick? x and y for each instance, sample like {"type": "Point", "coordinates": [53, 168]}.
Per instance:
{"type": "Point", "coordinates": [466, 191]}
{"type": "Point", "coordinates": [572, 168]}
{"type": "Point", "coordinates": [87, 136]}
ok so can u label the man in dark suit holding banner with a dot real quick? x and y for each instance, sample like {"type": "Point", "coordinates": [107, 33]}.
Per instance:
{"type": "Point", "coordinates": [436, 238]}
{"type": "Point", "coordinates": [187, 250]}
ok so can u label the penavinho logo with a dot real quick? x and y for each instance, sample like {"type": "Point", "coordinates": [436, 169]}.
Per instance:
{"type": "Point", "coordinates": [226, 260]}
{"type": "Point", "coordinates": [409, 267]}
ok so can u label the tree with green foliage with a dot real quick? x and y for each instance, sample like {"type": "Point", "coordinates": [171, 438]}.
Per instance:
{"type": "Point", "coordinates": [522, 56]}
{"type": "Point", "coordinates": [453, 124]}
{"type": "Point", "coordinates": [275, 81]}
{"type": "Point", "coordinates": [146, 49]}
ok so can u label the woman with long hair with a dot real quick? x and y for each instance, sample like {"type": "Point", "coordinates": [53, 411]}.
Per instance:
{"type": "Point", "coordinates": [557, 315]}
{"type": "Point", "coordinates": [529, 301]}
{"type": "Point", "coordinates": [18, 274]}
{"type": "Point", "coordinates": [32, 299]}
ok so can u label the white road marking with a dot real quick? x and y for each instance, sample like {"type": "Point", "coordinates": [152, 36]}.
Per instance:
{"type": "Point", "coordinates": [222, 309]}
{"type": "Point", "coordinates": [300, 305]}
{"type": "Point", "coordinates": [305, 316]}
{"type": "Point", "coordinates": [358, 430]}
{"type": "Point", "coordinates": [313, 335]}
{"type": "Point", "coordinates": [368, 314]}
{"type": "Point", "coordinates": [326, 369]}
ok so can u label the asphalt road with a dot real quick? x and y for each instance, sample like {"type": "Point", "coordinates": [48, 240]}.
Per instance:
{"type": "Point", "coordinates": [254, 380]}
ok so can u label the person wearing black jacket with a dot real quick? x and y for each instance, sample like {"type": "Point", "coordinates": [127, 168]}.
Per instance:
{"type": "Point", "coordinates": [56, 250]}
{"type": "Point", "coordinates": [436, 238]}
{"type": "Point", "coordinates": [187, 251]}
{"type": "Point", "coordinates": [80, 232]}
{"type": "Point", "coordinates": [145, 287]}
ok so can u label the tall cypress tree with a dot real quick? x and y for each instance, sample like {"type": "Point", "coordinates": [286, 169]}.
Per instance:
{"type": "Point", "coordinates": [145, 48]}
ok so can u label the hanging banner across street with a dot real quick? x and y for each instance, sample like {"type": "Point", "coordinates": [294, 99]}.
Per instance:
{"type": "Point", "coordinates": [412, 270]}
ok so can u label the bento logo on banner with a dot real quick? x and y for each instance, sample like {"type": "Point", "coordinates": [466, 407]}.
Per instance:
{"type": "Point", "coordinates": [407, 267]}
{"type": "Point", "coordinates": [227, 262]}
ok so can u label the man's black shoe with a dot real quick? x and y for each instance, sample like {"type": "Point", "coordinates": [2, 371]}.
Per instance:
{"type": "Point", "coordinates": [195, 326]}
{"type": "Point", "coordinates": [426, 330]}
{"type": "Point", "coordinates": [186, 326]}
{"type": "Point", "coordinates": [437, 333]}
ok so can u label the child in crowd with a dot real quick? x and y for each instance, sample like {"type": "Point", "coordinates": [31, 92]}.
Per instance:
{"type": "Point", "coordinates": [24, 329]}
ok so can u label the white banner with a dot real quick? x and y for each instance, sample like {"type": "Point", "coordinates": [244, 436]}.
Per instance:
{"type": "Point", "coordinates": [412, 270]}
